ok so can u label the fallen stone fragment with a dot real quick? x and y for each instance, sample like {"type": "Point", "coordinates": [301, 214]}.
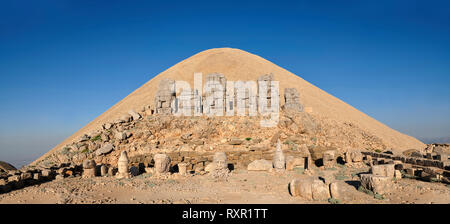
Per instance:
{"type": "Point", "coordinates": [136, 116]}
{"type": "Point", "coordinates": [320, 191]}
{"type": "Point", "coordinates": [107, 148]}
{"type": "Point", "coordinates": [260, 165]}
{"type": "Point", "coordinates": [377, 184]}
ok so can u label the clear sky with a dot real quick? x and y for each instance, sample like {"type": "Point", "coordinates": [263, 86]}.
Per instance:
{"type": "Point", "coordinates": [63, 63]}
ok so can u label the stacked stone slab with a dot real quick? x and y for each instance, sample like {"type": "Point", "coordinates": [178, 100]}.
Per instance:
{"type": "Point", "coordinates": [267, 99]}
{"type": "Point", "coordinates": [292, 99]}
{"type": "Point", "coordinates": [214, 98]}
{"type": "Point", "coordinates": [189, 102]}
{"type": "Point", "coordinates": [165, 95]}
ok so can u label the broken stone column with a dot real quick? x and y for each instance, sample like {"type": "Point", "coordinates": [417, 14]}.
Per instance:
{"type": "Point", "coordinates": [279, 160]}
{"type": "Point", "coordinates": [292, 99]}
{"type": "Point", "coordinates": [123, 171]}
{"type": "Point", "coordinates": [89, 168]}
{"type": "Point", "coordinates": [162, 163]}
{"type": "Point", "coordinates": [377, 184]}
{"type": "Point", "coordinates": [165, 96]}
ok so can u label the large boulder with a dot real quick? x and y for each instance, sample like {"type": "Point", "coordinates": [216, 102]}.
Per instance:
{"type": "Point", "coordinates": [260, 165]}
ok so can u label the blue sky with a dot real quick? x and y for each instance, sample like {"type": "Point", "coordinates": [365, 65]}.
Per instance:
{"type": "Point", "coordinates": [63, 63]}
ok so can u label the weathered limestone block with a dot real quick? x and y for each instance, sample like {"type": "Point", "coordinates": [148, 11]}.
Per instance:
{"type": "Point", "coordinates": [236, 141]}
{"type": "Point", "coordinates": [88, 168]}
{"type": "Point", "coordinates": [279, 160]}
{"type": "Point", "coordinates": [260, 165]}
{"type": "Point", "coordinates": [348, 157]}
{"type": "Point", "coordinates": [136, 116]}
{"type": "Point", "coordinates": [105, 149]}
{"type": "Point", "coordinates": [162, 163]}
{"type": "Point", "coordinates": [334, 190]}
{"type": "Point", "coordinates": [214, 99]}
{"type": "Point", "coordinates": [47, 173]}
{"type": "Point", "coordinates": [182, 168]}
{"type": "Point", "coordinates": [122, 164]}
{"type": "Point", "coordinates": [112, 171]}
{"type": "Point", "coordinates": [302, 188]}
{"type": "Point", "coordinates": [292, 99]}
{"type": "Point", "coordinates": [210, 167]}
{"type": "Point", "coordinates": [329, 158]}
{"type": "Point", "coordinates": [103, 170]}
{"type": "Point", "coordinates": [398, 174]}
{"type": "Point", "coordinates": [165, 96]}
{"type": "Point", "coordinates": [220, 166]}
{"type": "Point", "coordinates": [387, 170]}
{"type": "Point", "coordinates": [220, 160]}
{"type": "Point", "coordinates": [37, 176]}
{"type": "Point", "coordinates": [357, 156]}
{"type": "Point", "coordinates": [377, 184]}
{"type": "Point", "coordinates": [265, 81]}
{"type": "Point", "coordinates": [120, 136]}
{"type": "Point", "coordinates": [293, 162]}
{"type": "Point", "coordinates": [320, 191]}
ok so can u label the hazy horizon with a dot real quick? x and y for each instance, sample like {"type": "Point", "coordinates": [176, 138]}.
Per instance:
{"type": "Point", "coordinates": [63, 63]}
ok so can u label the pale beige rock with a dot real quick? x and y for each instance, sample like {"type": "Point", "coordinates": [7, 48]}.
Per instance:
{"type": "Point", "coordinates": [123, 171]}
{"type": "Point", "coordinates": [320, 191]}
{"type": "Point", "coordinates": [260, 165]}
{"type": "Point", "coordinates": [334, 190]}
{"type": "Point", "coordinates": [279, 160]}
{"type": "Point", "coordinates": [302, 188]}
{"type": "Point", "coordinates": [103, 170]}
{"type": "Point", "coordinates": [162, 163]}
{"type": "Point", "coordinates": [377, 184]}
{"type": "Point", "coordinates": [182, 168]}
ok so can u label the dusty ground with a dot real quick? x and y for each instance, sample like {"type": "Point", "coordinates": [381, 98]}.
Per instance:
{"type": "Point", "coordinates": [241, 187]}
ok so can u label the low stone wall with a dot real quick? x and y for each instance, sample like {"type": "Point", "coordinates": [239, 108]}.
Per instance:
{"type": "Point", "coordinates": [413, 160]}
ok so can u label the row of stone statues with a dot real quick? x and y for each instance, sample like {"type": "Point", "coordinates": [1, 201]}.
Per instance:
{"type": "Point", "coordinates": [218, 168]}
{"type": "Point", "coordinates": [220, 97]}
